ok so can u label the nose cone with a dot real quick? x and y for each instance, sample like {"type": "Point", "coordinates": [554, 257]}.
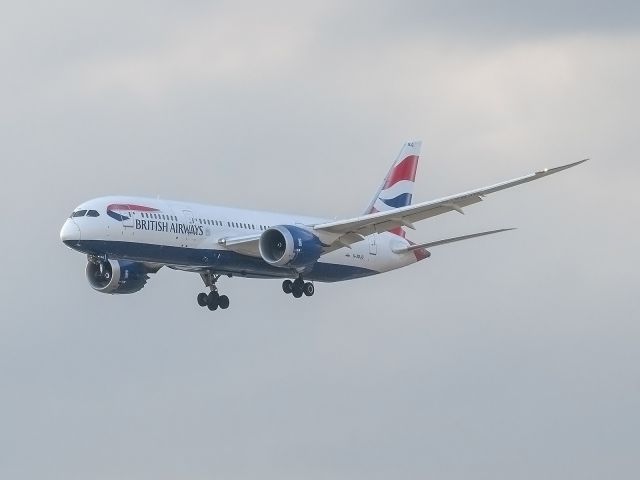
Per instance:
{"type": "Point", "coordinates": [70, 232]}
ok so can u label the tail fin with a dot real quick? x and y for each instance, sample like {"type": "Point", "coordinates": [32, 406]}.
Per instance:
{"type": "Point", "coordinates": [397, 188]}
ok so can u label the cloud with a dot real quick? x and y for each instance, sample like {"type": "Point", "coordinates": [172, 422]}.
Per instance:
{"type": "Point", "coordinates": [502, 357]}
{"type": "Point", "coordinates": [230, 45]}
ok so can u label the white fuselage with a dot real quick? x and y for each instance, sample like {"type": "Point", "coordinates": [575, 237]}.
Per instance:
{"type": "Point", "coordinates": [191, 236]}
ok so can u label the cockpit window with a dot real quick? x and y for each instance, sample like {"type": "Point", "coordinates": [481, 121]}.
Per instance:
{"type": "Point", "coordinates": [79, 213]}
{"type": "Point", "coordinates": [93, 213]}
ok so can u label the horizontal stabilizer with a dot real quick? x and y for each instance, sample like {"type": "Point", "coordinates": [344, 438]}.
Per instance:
{"type": "Point", "coordinates": [410, 248]}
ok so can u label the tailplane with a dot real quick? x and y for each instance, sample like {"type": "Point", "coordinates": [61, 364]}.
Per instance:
{"type": "Point", "coordinates": [413, 247]}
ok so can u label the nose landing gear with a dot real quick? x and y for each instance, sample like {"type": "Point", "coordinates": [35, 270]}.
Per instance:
{"type": "Point", "coordinates": [298, 287]}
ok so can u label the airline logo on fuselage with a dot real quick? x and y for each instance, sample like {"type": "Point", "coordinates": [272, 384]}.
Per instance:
{"type": "Point", "coordinates": [118, 211]}
{"type": "Point", "coordinates": [169, 227]}
{"type": "Point", "coordinates": [121, 212]}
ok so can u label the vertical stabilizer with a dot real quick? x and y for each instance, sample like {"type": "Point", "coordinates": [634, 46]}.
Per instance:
{"type": "Point", "coordinates": [397, 188]}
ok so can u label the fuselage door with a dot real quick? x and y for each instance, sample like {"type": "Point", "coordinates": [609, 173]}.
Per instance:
{"type": "Point", "coordinates": [373, 246]}
{"type": "Point", "coordinates": [189, 237]}
{"type": "Point", "coordinates": [127, 219]}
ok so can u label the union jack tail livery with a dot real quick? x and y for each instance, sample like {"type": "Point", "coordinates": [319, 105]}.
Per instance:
{"type": "Point", "coordinates": [397, 188]}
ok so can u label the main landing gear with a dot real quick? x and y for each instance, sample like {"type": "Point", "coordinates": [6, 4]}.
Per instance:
{"type": "Point", "coordinates": [213, 299]}
{"type": "Point", "coordinates": [298, 287]}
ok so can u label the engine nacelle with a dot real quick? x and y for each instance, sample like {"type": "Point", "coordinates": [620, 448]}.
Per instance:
{"type": "Point", "coordinates": [289, 246]}
{"type": "Point", "coordinates": [117, 276]}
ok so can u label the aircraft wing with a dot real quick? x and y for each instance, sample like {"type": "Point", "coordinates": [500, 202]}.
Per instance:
{"type": "Point", "coordinates": [245, 245]}
{"type": "Point", "coordinates": [354, 229]}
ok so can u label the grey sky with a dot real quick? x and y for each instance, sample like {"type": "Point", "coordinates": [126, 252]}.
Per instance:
{"type": "Point", "coordinates": [507, 357]}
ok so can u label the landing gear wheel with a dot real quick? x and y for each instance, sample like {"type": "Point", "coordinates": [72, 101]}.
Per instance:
{"type": "Point", "coordinates": [308, 289]}
{"type": "Point", "coordinates": [297, 291]}
{"type": "Point", "coordinates": [202, 299]}
{"type": "Point", "coordinates": [212, 300]}
{"type": "Point", "coordinates": [287, 286]}
{"type": "Point", "coordinates": [223, 302]}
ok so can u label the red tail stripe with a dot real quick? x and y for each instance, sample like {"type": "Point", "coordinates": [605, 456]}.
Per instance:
{"type": "Point", "coordinates": [405, 170]}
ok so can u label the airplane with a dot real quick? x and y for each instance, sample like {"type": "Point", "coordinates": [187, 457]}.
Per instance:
{"type": "Point", "coordinates": [128, 238]}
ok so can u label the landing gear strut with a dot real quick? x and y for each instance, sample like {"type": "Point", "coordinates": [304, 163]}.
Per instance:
{"type": "Point", "coordinates": [298, 287]}
{"type": "Point", "coordinates": [213, 299]}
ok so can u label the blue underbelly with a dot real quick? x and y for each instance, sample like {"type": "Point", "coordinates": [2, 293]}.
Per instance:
{"type": "Point", "coordinates": [220, 261]}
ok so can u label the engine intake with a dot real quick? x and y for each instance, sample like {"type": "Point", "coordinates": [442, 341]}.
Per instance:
{"type": "Point", "coordinates": [289, 246]}
{"type": "Point", "coordinates": [117, 276]}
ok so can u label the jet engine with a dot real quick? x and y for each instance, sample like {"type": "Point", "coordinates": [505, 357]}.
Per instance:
{"type": "Point", "coordinates": [117, 276]}
{"type": "Point", "coordinates": [289, 246]}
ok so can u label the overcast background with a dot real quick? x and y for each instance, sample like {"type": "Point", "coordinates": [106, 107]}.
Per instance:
{"type": "Point", "coordinates": [514, 356]}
